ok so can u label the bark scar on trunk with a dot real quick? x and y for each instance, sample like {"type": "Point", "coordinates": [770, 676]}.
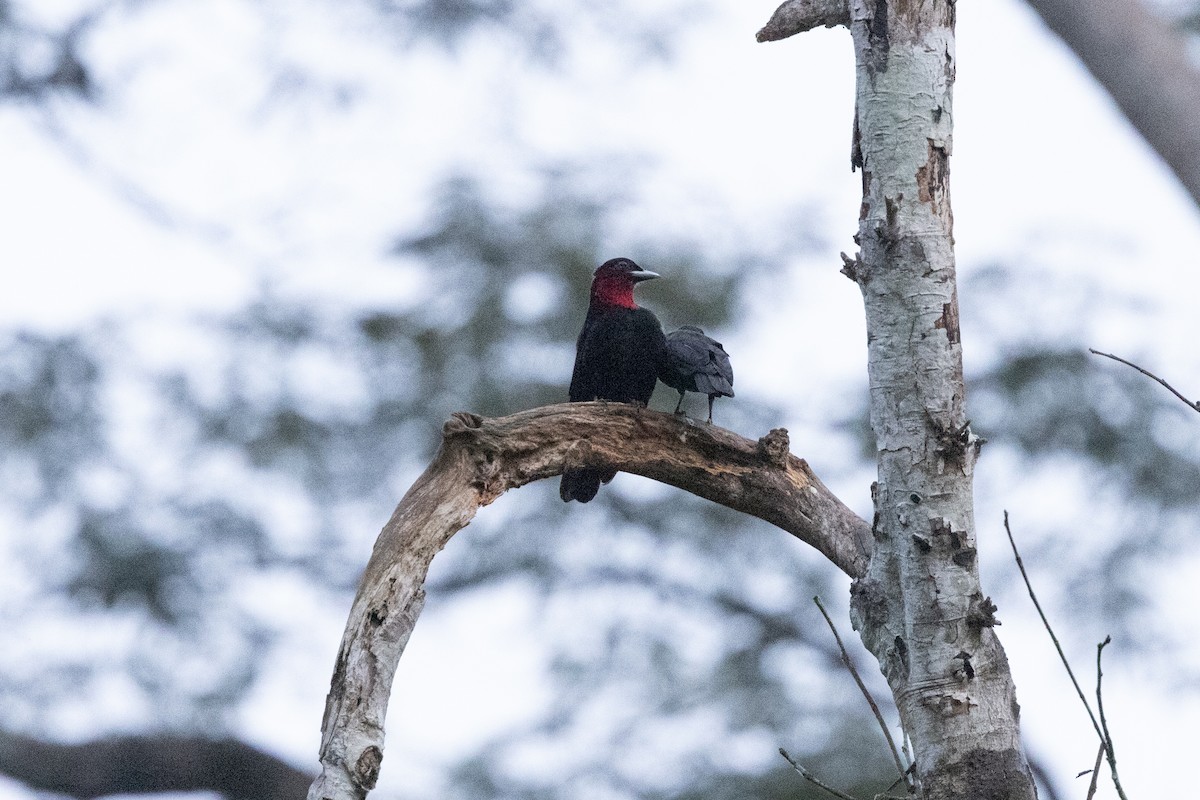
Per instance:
{"type": "Point", "coordinates": [948, 322]}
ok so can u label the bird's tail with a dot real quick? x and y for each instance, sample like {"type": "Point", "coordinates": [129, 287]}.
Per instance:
{"type": "Point", "coordinates": [582, 484]}
{"type": "Point", "coordinates": [714, 385]}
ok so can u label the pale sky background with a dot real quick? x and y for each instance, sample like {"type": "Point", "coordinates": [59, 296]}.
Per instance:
{"type": "Point", "coordinates": [1047, 178]}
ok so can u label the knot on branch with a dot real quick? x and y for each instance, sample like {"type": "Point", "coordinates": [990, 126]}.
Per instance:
{"type": "Point", "coordinates": [966, 671]}
{"type": "Point", "coordinates": [776, 447]}
{"type": "Point", "coordinates": [953, 443]}
{"type": "Point", "coordinates": [868, 604]}
{"type": "Point", "coordinates": [460, 423]}
{"type": "Point", "coordinates": [798, 16]}
{"type": "Point", "coordinates": [366, 768]}
{"type": "Point", "coordinates": [852, 268]}
{"type": "Point", "coordinates": [486, 480]}
{"type": "Point", "coordinates": [981, 612]}
{"type": "Point", "coordinates": [896, 665]}
{"type": "Point", "coordinates": [481, 450]}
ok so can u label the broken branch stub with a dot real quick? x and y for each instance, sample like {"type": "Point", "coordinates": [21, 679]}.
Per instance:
{"type": "Point", "coordinates": [798, 16]}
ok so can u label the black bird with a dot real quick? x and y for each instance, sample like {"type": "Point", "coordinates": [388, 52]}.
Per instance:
{"type": "Point", "coordinates": [694, 362]}
{"type": "Point", "coordinates": [616, 358]}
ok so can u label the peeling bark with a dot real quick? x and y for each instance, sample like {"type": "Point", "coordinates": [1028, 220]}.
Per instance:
{"type": "Point", "coordinates": [479, 460]}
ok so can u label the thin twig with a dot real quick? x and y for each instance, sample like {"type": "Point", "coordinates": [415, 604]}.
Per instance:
{"type": "Point", "coordinates": [1108, 744]}
{"type": "Point", "coordinates": [1096, 770]}
{"type": "Point", "coordinates": [1049, 630]}
{"type": "Point", "coordinates": [813, 779]}
{"type": "Point", "coordinates": [1195, 406]}
{"type": "Point", "coordinates": [1101, 727]}
{"type": "Point", "coordinates": [862, 687]}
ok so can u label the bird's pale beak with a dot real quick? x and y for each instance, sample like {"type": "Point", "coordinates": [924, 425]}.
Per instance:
{"type": "Point", "coordinates": [642, 275]}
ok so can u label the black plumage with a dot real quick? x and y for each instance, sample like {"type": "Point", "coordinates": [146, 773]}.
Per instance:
{"type": "Point", "coordinates": [693, 362]}
{"type": "Point", "coordinates": [617, 357]}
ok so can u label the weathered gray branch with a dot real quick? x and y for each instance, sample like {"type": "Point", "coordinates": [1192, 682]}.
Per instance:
{"type": "Point", "coordinates": [479, 460]}
{"type": "Point", "coordinates": [798, 16]}
{"type": "Point", "coordinates": [1144, 65]}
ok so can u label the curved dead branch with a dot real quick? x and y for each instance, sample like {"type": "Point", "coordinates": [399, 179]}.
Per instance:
{"type": "Point", "coordinates": [478, 461]}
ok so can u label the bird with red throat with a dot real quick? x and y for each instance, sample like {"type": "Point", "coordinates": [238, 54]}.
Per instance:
{"type": "Point", "coordinates": [617, 357]}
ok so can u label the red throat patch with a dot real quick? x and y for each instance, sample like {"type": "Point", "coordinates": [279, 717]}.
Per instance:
{"type": "Point", "coordinates": [613, 290]}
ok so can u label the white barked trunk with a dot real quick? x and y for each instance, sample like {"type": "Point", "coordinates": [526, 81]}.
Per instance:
{"type": "Point", "coordinates": [920, 608]}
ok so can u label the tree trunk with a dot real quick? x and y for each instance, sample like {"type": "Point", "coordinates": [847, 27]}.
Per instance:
{"type": "Point", "coordinates": [919, 608]}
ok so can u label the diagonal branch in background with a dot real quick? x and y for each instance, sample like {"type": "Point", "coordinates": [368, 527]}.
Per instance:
{"type": "Point", "coordinates": [1195, 406]}
{"type": "Point", "coordinates": [478, 461]}
{"type": "Point", "coordinates": [862, 687]}
{"type": "Point", "coordinates": [1092, 784]}
{"type": "Point", "coordinates": [1101, 726]}
{"type": "Point", "coordinates": [129, 765]}
{"type": "Point", "coordinates": [1145, 66]}
{"type": "Point", "coordinates": [813, 779]}
{"type": "Point", "coordinates": [1046, 623]}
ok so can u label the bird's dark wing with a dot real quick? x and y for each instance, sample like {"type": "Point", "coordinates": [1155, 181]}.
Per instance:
{"type": "Point", "coordinates": [718, 373]}
{"type": "Point", "coordinates": [694, 362]}
{"type": "Point", "coordinates": [582, 376]}
{"type": "Point", "coordinates": [684, 356]}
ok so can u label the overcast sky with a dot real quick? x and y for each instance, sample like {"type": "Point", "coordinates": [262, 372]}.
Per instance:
{"type": "Point", "coordinates": [195, 184]}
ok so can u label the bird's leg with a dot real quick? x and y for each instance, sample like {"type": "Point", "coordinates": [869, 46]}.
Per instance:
{"type": "Point", "coordinates": [710, 402]}
{"type": "Point", "coordinates": [679, 405]}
